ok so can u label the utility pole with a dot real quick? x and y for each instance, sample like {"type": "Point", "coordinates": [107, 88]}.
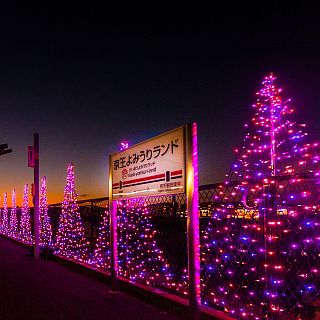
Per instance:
{"type": "Point", "coordinates": [33, 162]}
{"type": "Point", "coordinates": [36, 194]}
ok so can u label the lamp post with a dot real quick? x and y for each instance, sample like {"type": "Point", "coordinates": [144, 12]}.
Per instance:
{"type": "Point", "coordinates": [4, 149]}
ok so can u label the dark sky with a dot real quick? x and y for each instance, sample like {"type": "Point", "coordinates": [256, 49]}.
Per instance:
{"type": "Point", "coordinates": [86, 78]}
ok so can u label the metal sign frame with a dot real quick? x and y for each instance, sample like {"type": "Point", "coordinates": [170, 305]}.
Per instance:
{"type": "Point", "coordinates": [153, 167]}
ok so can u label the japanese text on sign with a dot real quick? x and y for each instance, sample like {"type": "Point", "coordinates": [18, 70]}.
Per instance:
{"type": "Point", "coordinates": [153, 167]}
{"type": "Point", "coordinates": [145, 155]}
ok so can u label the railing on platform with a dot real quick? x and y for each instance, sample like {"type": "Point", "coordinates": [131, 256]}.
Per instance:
{"type": "Point", "coordinates": [260, 245]}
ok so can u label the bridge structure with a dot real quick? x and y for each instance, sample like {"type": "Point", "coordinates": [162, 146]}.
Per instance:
{"type": "Point", "coordinates": [259, 229]}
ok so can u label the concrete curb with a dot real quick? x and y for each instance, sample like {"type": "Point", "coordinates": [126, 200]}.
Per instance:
{"type": "Point", "coordinates": [166, 301]}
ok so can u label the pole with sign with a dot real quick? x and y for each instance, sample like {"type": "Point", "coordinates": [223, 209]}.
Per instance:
{"type": "Point", "coordinates": [33, 162]}
{"type": "Point", "coordinates": [36, 195]}
{"type": "Point", "coordinates": [164, 165]}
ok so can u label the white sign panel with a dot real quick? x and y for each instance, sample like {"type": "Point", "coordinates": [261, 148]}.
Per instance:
{"type": "Point", "coordinates": [153, 167]}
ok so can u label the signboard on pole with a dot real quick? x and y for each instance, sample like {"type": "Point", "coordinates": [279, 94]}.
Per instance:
{"type": "Point", "coordinates": [151, 168]}
{"type": "Point", "coordinates": [30, 157]}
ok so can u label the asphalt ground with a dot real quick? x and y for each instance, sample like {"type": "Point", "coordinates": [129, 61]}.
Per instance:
{"type": "Point", "coordinates": [34, 289]}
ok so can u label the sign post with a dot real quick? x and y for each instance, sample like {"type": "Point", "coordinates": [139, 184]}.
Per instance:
{"type": "Point", "coordinates": [33, 160]}
{"type": "Point", "coordinates": [164, 165]}
{"type": "Point", "coordinates": [193, 220]}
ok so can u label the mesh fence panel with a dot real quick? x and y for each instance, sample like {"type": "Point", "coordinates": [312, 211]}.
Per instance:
{"type": "Point", "coordinates": [152, 243]}
{"type": "Point", "coordinates": [94, 214]}
{"type": "Point", "coordinates": [260, 248]}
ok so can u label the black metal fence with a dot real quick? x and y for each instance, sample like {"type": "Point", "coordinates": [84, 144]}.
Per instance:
{"type": "Point", "coordinates": [260, 247]}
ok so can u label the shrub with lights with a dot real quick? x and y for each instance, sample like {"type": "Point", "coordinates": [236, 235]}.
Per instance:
{"type": "Point", "coordinates": [140, 257]}
{"type": "Point", "coordinates": [102, 253]}
{"type": "Point", "coordinates": [70, 240]}
{"type": "Point", "coordinates": [14, 226]}
{"type": "Point", "coordinates": [5, 221]}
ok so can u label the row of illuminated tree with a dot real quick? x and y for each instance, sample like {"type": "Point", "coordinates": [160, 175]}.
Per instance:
{"type": "Point", "coordinates": [70, 241]}
{"type": "Point", "coordinates": [21, 228]}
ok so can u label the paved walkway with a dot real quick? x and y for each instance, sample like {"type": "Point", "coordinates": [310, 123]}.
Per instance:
{"type": "Point", "coordinates": [36, 289]}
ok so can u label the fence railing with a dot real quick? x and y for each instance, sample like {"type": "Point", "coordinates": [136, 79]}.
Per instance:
{"type": "Point", "coordinates": [259, 244]}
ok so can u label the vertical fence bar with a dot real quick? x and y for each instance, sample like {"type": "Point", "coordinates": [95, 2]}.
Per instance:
{"type": "Point", "coordinates": [193, 220]}
{"type": "Point", "coordinates": [113, 232]}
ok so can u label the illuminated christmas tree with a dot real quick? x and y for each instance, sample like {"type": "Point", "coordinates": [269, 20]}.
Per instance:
{"type": "Point", "coordinates": [46, 239]}
{"type": "Point", "coordinates": [259, 251]}
{"type": "Point", "coordinates": [5, 222]}
{"type": "Point", "coordinates": [14, 227]}
{"type": "Point", "coordinates": [101, 255]}
{"type": "Point", "coordinates": [273, 144]}
{"type": "Point", "coordinates": [25, 222]}
{"type": "Point", "coordinates": [70, 238]}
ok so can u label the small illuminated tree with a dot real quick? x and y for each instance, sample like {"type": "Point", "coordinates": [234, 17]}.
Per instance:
{"type": "Point", "coordinates": [14, 227]}
{"type": "Point", "coordinates": [70, 239]}
{"type": "Point", "coordinates": [5, 222]}
{"type": "Point", "coordinates": [46, 239]}
{"type": "Point", "coordinates": [25, 222]}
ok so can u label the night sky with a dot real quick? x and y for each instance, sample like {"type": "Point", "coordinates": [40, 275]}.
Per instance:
{"type": "Point", "coordinates": [86, 78]}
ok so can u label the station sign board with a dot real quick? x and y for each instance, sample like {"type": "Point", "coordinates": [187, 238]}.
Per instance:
{"type": "Point", "coordinates": [151, 168]}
